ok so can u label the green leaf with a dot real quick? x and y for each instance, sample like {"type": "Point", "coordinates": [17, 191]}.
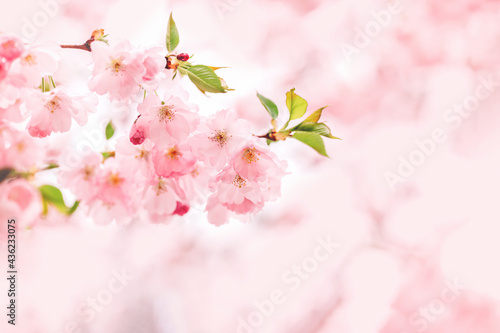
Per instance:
{"type": "Point", "coordinates": [319, 128]}
{"type": "Point", "coordinates": [172, 39]}
{"type": "Point", "coordinates": [313, 140]}
{"type": "Point", "coordinates": [315, 116]}
{"type": "Point", "coordinates": [269, 105]}
{"type": "Point", "coordinates": [295, 104]}
{"type": "Point", "coordinates": [52, 196]}
{"type": "Point", "coordinates": [205, 79]}
{"type": "Point", "coordinates": [108, 154]}
{"type": "Point", "coordinates": [4, 173]}
{"type": "Point", "coordinates": [110, 131]}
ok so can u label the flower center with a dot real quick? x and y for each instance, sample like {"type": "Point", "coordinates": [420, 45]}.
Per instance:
{"type": "Point", "coordinates": [173, 153]}
{"type": "Point", "coordinates": [88, 171]}
{"type": "Point", "coordinates": [143, 154]}
{"type": "Point", "coordinates": [166, 113]}
{"type": "Point", "coordinates": [160, 187]}
{"type": "Point", "coordinates": [239, 182]}
{"type": "Point", "coordinates": [250, 155]}
{"type": "Point", "coordinates": [29, 60]}
{"type": "Point", "coordinates": [114, 179]}
{"type": "Point", "coordinates": [117, 65]}
{"type": "Point", "coordinates": [53, 104]}
{"type": "Point", "coordinates": [220, 137]}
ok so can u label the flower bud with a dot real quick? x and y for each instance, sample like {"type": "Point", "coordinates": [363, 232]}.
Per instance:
{"type": "Point", "coordinates": [183, 57]}
{"type": "Point", "coordinates": [136, 136]}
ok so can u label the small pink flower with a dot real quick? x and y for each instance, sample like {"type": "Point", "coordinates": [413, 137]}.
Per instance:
{"type": "Point", "coordinates": [153, 62]}
{"type": "Point", "coordinates": [118, 183]}
{"type": "Point", "coordinates": [255, 163]}
{"type": "Point", "coordinates": [161, 197]}
{"type": "Point", "coordinates": [82, 180]}
{"type": "Point", "coordinates": [173, 160]}
{"type": "Point", "coordinates": [137, 134]}
{"type": "Point", "coordinates": [117, 71]}
{"type": "Point", "coordinates": [20, 150]}
{"type": "Point", "coordinates": [37, 61]}
{"type": "Point", "coordinates": [221, 136]}
{"type": "Point", "coordinates": [52, 111]}
{"type": "Point", "coordinates": [11, 47]}
{"type": "Point", "coordinates": [168, 121]}
{"type": "Point", "coordinates": [140, 156]}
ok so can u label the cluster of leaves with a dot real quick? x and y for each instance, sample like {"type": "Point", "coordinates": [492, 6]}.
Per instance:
{"type": "Point", "coordinates": [309, 131]}
{"type": "Point", "coordinates": [203, 77]}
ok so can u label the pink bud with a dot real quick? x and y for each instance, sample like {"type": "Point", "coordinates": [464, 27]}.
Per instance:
{"type": "Point", "coordinates": [136, 136]}
{"type": "Point", "coordinates": [181, 209]}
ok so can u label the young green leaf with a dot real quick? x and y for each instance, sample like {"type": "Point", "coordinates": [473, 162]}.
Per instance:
{"type": "Point", "coordinates": [53, 196]}
{"type": "Point", "coordinates": [313, 140]}
{"type": "Point", "coordinates": [319, 128]}
{"type": "Point", "coordinates": [269, 105]}
{"type": "Point", "coordinates": [110, 131]}
{"type": "Point", "coordinates": [315, 116]}
{"type": "Point", "coordinates": [172, 39]}
{"type": "Point", "coordinates": [295, 104]}
{"type": "Point", "coordinates": [205, 79]}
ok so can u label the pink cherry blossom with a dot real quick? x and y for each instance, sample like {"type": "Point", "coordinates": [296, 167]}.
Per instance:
{"type": "Point", "coordinates": [117, 183]}
{"type": "Point", "coordinates": [162, 199]}
{"type": "Point", "coordinates": [20, 150]}
{"type": "Point", "coordinates": [168, 121]}
{"type": "Point", "coordinates": [117, 71]}
{"type": "Point", "coordinates": [256, 163]}
{"type": "Point", "coordinates": [140, 156]}
{"type": "Point", "coordinates": [153, 61]}
{"type": "Point", "coordinates": [82, 180]}
{"type": "Point", "coordinates": [52, 111]}
{"type": "Point", "coordinates": [21, 201]}
{"type": "Point", "coordinates": [173, 160]}
{"type": "Point", "coordinates": [221, 135]}
{"type": "Point", "coordinates": [11, 47]}
{"type": "Point", "coordinates": [137, 134]}
{"type": "Point", "coordinates": [37, 61]}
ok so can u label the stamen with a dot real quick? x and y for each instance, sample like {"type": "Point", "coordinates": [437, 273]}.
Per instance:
{"type": "Point", "coordinates": [250, 155]}
{"type": "Point", "coordinates": [239, 182]}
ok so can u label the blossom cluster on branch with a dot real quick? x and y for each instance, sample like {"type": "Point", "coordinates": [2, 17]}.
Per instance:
{"type": "Point", "coordinates": [172, 159]}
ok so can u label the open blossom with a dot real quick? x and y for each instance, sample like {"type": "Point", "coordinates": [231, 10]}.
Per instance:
{"type": "Point", "coordinates": [173, 160]}
{"type": "Point", "coordinates": [11, 47]}
{"type": "Point", "coordinates": [20, 200]}
{"type": "Point", "coordinates": [121, 71]}
{"type": "Point", "coordinates": [36, 62]}
{"type": "Point", "coordinates": [220, 137]}
{"type": "Point", "coordinates": [168, 121]}
{"type": "Point", "coordinates": [52, 111]}
{"type": "Point", "coordinates": [118, 183]}
{"type": "Point", "coordinates": [140, 156]}
{"type": "Point", "coordinates": [164, 198]}
{"type": "Point", "coordinates": [81, 178]}
{"type": "Point", "coordinates": [255, 163]}
{"type": "Point", "coordinates": [19, 149]}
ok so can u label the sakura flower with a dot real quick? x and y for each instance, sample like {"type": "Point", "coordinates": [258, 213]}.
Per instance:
{"type": "Point", "coordinates": [11, 47]}
{"type": "Point", "coordinates": [173, 160]}
{"type": "Point", "coordinates": [138, 155]}
{"type": "Point", "coordinates": [82, 179]}
{"type": "Point", "coordinates": [21, 201]}
{"type": "Point", "coordinates": [161, 197]}
{"type": "Point", "coordinates": [168, 121]}
{"type": "Point", "coordinates": [10, 89]}
{"type": "Point", "coordinates": [221, 135]}
{"type": "Point", "coordinates": [255, 163]}
{"type": "Point", "coordinates": [118, 183]}
{"type": "Point", "coordinates": [20, 150]}
{"type": "Point", "coordinates": [153, 62]}
{"type": "Point", "coordinates": [117, 71]}
{"type": "Point", "coordinates": [36, 62]}
{"type": "Point", "coordinates": [52, 111]}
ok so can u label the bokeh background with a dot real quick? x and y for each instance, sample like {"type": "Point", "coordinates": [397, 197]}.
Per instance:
{"type": "Point", "coordinates": [409, 197]}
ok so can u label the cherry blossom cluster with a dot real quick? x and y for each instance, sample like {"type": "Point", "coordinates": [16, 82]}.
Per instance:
{"type": "Point", "coordinates": [172, 160]}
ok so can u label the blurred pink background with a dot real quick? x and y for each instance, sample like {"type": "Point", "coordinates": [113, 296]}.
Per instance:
{"type": "Point", "coordinates": [396, 233]}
